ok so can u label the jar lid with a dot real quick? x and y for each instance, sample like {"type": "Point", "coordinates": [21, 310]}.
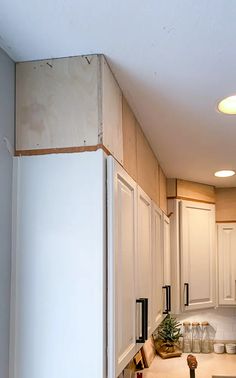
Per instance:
{"type": "Point", "coordinates": [205, 323]}
{"type": "Point", "coordinates": [186, 323]}
{"type": "Point", "coordinates": [195, 324]}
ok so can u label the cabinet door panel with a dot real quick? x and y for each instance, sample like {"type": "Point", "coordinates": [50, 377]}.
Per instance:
{"type": "Point", "coordinates": [227, 263]}
{"type": "Point", "coordinates": [167, 264]}
{"type": "Point", "coordinates": [144, 268]}
{"type": "Point", "coordinates": [166, 246]}
{"type": "Point", "coordinates": [157, 268]}
{"type": "Point", "coordinates": [122, 202]}
{"type": "Point", "coordinates": [173, 209]}
{"type": "Point", "coordinates": [197, 228]}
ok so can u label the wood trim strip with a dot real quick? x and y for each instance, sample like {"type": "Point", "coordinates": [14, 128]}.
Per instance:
{"type": "Point", "coordinates": [191, 199]}
{"type": "Point", "coordinates": [194, 199]}
{"type": "Point", "coordinates": [61, 150]}
{"type": "Point", "coordinates": [227, 221]}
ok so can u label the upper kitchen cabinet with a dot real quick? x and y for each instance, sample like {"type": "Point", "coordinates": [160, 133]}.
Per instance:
{"type": "Point", "coordinates": [122, 243]}
{"type": "Point", "coordinates": [197, 250]}
{"type": "Point", "coordinates": [157, 267]}
{"type": "Point", "coordinates": [166, 248]}
{"type": "Point", "coordinates": [193, 265]}
{"type": "Point", "coordinates": [66, 103]}
{"type": "Point", "coordinates": [227, 263]}
{"type": "Point", "coordinates": [136, 244]}
{"type": "Point", "coordinates": [173, 208]}
{"type": "Point", "coordinates": [167, 263]}
{"type": "Point", "coordinates": [144, 251]}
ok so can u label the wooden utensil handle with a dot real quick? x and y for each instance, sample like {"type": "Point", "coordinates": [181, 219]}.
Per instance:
{"type": "Point", "coordinates": [192, 362]}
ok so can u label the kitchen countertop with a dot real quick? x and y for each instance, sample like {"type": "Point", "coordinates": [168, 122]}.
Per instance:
{"type": "Point", "coordinates": [208, 365]}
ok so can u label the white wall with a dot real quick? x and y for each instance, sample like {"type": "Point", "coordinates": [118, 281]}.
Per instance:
{"type": "Point", "coordinates": [222, 320]}
{"type": "Point", "coordinates": [7, 77]}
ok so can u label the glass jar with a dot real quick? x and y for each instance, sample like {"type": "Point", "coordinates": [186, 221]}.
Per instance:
{"type": "Point", "coordinates": [206, 342]}
{"type": "Point", "coordinates": [187, 338]}
{"type": "Point", "coordinates": [196, 337]}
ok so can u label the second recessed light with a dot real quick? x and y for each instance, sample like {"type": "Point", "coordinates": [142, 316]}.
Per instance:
{"type": "Point", "coordinates": [224, 173]}
{"type": "Point", "coordinates": [228, 105]}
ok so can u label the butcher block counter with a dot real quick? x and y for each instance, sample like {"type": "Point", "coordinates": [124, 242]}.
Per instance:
{"type": "Point", "coordinates": [223, 365]}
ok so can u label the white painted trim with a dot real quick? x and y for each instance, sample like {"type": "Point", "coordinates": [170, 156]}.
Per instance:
{"type": "Point", "coordinates": [13, 315]}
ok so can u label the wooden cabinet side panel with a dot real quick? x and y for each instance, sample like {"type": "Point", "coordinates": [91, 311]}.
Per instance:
{"type": "Point", "coordinates": [195, 191]}
{"type": "Point", "coordinates": [226, 204]}
{"type": "Point", "coordinates": [129, 140]}
{"type": "Point", "coordinates": [139, 159]}
{"type": "Point", "coordinates": [146, 163]}
{"type": "Point", "coordinates": [163, 198]}
{"type": "Point", "coordinates": [171, 188]}
{"type": "Point", "coordinates": [111, 98]}
{"type": "Point", "coordinates": [57, 103]}
{"type": "Point", "coordinates": [157, 184]}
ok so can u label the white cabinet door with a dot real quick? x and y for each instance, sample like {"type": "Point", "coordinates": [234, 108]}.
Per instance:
{"type": "Point", "coordinates": [144, 252]}
{"type": "Point", "coordinates": [227, 263]}
{"type": "Point", "coordinates": [166, 246]}
{"type": "Point", "coordinates": [173, 209]}
{"type": "Point", "coordinates": [122, 203]}
{"type": "Point", "coordinates": [157, 268]}
{"type": "Point", "coordinates": [197, 238]}
{"type": "Point", "coordinates": [167, 264]}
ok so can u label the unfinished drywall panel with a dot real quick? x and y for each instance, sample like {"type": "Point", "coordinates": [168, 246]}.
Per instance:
{"type": "Point", "coordinates": [57, 103]}
{"type": "Point", "coordinates": [129, 140]}
{"type": "Point", "coordinates": [111, 116]}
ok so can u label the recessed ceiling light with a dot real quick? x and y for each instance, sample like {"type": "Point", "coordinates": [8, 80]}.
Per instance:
{"type": "Point", "coordinates": [224, 173]}
{"type": "Point", "coordinates": [228, 105]}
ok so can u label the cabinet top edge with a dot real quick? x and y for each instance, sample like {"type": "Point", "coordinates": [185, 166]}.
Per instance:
{"type": "Point", "coordinates": [190, 200]}
{"type": "Point", "coordinates": [60, 58]}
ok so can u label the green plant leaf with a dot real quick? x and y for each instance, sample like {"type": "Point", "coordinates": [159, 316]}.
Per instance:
{"type": "Point", "coordinates": [169, 331]}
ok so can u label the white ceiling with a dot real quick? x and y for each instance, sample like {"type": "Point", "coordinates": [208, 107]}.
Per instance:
{"type": "Point", "coordinates": [172, 58]}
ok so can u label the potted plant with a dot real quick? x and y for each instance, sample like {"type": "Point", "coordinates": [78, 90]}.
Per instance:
{"type": "Point", "coordinates": [167, 337]}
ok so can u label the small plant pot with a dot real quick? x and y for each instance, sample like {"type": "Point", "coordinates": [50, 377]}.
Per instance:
{"type": "Point", "coordinates": [168, 348]}
{"type": "Point", "coordinates": [168, 351]}
{"type": "Point", "coordinates": [167, 338]}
